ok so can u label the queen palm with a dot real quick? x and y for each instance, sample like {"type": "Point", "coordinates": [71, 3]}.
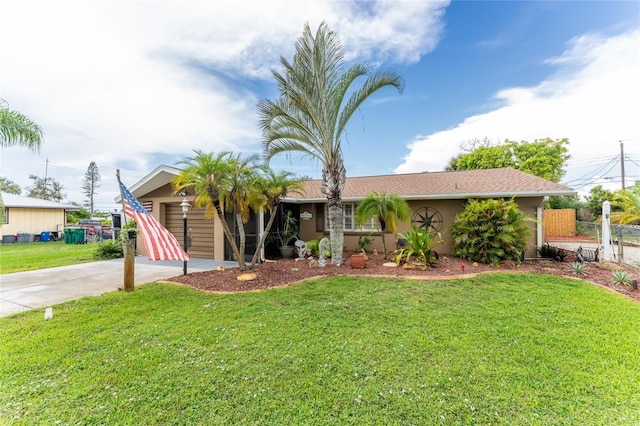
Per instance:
{"type": "Point", "coordinates": [18, 129]}
{"type": "Point", "coordinates": [386, 209]}
{"type": "Point", "coordinates": [317, 99]}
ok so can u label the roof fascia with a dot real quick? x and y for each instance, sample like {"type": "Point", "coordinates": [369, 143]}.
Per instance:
{"type": "Point", "coordinates": [452, 196]}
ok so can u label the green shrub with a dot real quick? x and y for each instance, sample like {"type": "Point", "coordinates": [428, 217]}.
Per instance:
{"type": "Point", "coordinates": [551, 252]}
{"type": "Point", "coordinates": [313, 245]}
{"type": "Point", "coordinates": [363, 242]}
{"type": "Point", "coordinates": [109, 249]}
{"type": "Point", "coordinates": [490, 231]}
{"type": "Point", "coordinates": [421, 243]}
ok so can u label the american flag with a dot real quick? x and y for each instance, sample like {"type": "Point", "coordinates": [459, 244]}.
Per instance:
{"type": "Point", "coordinates": [158, 241]}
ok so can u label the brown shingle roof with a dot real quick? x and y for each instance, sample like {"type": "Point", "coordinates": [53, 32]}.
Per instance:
{"type": "Point", "coordinates": [494, 183]}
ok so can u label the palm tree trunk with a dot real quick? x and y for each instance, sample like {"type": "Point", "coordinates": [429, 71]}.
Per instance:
{"type": "Point", "coordinates": [263, 237]}
{"type": "Point", "coordinates": [384, 245]}
{"type": "Point", "coordinates": [243, 237]}
{"type": "Point", "coordinates": [333, 180]}
{"type": "Point", "coordinates": [229, 235]}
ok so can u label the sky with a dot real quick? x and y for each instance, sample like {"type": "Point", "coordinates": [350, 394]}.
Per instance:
{"type": "Point", "coordinates": [132, 85]}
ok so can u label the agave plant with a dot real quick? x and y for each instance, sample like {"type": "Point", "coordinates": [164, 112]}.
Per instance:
{"type": "Point", "coordinates": [421, 243]}
{"type": "Point", "coordinates": [578, 268]}
{"type": "Point", "coordinates": [621, 277]}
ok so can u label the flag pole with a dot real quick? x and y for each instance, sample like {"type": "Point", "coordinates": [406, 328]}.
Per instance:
{"type": "Point", "coordinates": [128, 245]}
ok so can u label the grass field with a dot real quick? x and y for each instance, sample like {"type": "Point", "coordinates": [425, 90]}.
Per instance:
{"type": "Point", "coordinates": [497, 349]}
{"type": "Point", "coordinates": [39, 255]}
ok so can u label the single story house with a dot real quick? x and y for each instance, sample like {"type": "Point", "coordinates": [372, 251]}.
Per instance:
{"type": "Point", "coordinates": [434, 199]}
{"type": "Point", "coordinates": [33, 216]}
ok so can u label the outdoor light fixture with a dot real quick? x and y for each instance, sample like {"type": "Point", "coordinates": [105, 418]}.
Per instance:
{"type": "Point", "coordinates": [185, 208]}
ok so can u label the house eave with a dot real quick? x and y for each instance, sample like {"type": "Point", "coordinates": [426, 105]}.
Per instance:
{"type": "Point", "coordinates": [449, 196]}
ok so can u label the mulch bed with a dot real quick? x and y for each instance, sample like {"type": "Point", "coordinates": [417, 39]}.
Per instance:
{"type": "Point", "coordinates": [282, 272]}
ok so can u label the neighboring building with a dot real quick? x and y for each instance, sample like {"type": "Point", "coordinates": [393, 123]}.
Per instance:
{"type": "Point", "coordinates": [27, 215]}
{"type": "Point", "coordinates": [434, 197]}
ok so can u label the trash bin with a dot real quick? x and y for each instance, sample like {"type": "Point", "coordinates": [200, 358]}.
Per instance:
{"type": "Point", "coordinates": [44, 236]}
{"type": "Point", "coordinates": [74, 235]}
{"type": "Point", "coordinates": [25, 238]}
{"type": "Point", "coordinates": [78, 236]}
{"type": "Point", "coordinates": [8, 239]}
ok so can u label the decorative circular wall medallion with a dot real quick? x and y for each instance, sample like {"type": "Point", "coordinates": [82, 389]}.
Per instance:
{"type": "Point", "coordinates": [427, 218]}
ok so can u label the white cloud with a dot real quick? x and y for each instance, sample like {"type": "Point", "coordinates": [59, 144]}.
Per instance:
{"type": "Point", "coordinates": [124, 83]}
{"type": "Point", "coordinates": [592, 99]}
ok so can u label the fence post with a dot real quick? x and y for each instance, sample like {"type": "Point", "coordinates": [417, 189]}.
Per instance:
{"type": "Point", "coordinates": [620, 245]}
{"type": "Point", "coordinates": [606, 231]}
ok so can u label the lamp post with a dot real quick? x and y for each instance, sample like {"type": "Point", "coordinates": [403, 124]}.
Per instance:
{"type": "Point", "coordinates": [185, 208]}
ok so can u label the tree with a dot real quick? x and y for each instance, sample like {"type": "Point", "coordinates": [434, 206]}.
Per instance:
{"type": "Point", "coordinates": [221, 183]}
{"type": "Point", "coordinates": [9, 186]}
{"type": "Point", "coordinates": [628, 200]}
{"type": "Point", "coordinates": [18, 129]}
{"type": "Point", "coordinates": [236, 195]}
{"type": "Point", "coordinates": [75, 217]}
{"type": "Point", "coordinates": [205, 174]}
{"type": "Point", "coordinates": [46, 189]}
{"type": "Point", "coordinates": [567, 202]}
{"type": "Point", "coordinates": [317, 99]}
{"type": "Point", "coordinates": [90, 183]}
{"type": "Point", "coordinates": [386, 209]}
{"type": "Point", "coordinates": [543, 157]}
{"type": "Point", "coordinates": [269, 190]}
{"type": "Point", "coordinates": [597, 196]}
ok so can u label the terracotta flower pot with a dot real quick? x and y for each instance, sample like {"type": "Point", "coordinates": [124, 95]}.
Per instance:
{"type": "Point", "coordinates": [357, 261]}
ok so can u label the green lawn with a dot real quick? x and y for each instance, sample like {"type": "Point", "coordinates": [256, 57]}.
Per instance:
{"type": "Point", "coordinates": [496, 349]}
{"type": "Point", "coordinates": [39, 255]}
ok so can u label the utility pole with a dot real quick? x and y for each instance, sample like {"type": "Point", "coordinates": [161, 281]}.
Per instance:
{"type": "Point", "coordinates": [622, 162]}
{"type": "Point", "coordinates": [46, 172]}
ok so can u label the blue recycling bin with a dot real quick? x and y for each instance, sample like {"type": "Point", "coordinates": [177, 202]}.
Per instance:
{"type": "Point", "coordinates": [44, 236]}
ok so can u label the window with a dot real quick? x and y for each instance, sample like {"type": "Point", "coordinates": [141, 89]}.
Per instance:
{"type": "Point", "coordinates": [6, 215]}
{"type": "Point", "coordinates": [349, 220]}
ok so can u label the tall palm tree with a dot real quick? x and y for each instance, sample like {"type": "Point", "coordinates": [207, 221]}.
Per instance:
{"type": "Point", "coordinates": [386, 209]}
{"type": "Point", "coordinates": [18, 129]}
{"type": "Point", "coordinates": [317, 99]}
{"type": "Point", "coordinates": [269, 190]}
{"type": "Point", "coordinates": [629, 201]}
{"type": "Point", "coordinates": [216, 182]}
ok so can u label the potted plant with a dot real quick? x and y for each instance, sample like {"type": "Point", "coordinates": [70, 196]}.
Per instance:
{"type": "Point", "coordinates": [357, 261]}
{"type": "Point", "coordinates": [287, 234]}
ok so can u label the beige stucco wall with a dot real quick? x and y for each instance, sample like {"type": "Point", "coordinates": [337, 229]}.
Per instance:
{"type": "Point", "coordinates": [447, 208]}
{"type": "Point", "coordinates": [33, 221]}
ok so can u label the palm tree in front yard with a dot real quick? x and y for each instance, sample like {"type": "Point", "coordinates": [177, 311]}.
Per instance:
{"type": "Point", "coordinates": [317, 100]}
{"type": "Point", "coordinates": [217, 180]}
{"type": "Point", "coordinates": [629, 201]}
{"type": "Point", "coordinates": [386, 209]}
{"type": "Point", "coordinates": [269, 190]}
{"type": "Point", "coordinates": [18, 129]}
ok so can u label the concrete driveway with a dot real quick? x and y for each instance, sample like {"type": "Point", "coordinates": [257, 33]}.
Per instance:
{"type": "Point", "coordinates": [42, 288]}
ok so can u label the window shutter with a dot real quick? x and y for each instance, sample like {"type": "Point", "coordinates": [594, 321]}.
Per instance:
{"type": "Point", "coordinates": [319, 217]}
